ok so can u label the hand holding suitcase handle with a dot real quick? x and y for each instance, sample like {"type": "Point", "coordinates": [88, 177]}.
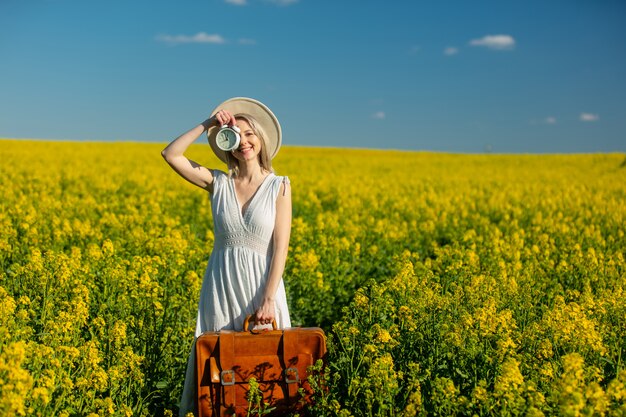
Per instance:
{"type": "Point", "coordinates": [246, 324]}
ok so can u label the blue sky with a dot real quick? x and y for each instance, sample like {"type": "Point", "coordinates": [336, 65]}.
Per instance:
{"type": "Point", "coordinates": [454, 76]}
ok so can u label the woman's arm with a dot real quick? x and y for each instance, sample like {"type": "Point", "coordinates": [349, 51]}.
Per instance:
{"type": "Point", "coordinates": [186, 168]}
{"type": "Point", "coordinates": [282, 231]}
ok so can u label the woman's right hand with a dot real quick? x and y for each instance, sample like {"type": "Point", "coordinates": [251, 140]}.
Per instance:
{"type": "Point", "coordinates": [224, 117]}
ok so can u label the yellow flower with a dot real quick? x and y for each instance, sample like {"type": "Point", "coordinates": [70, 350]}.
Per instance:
{"type": "Point", "coordinates": [510, 380]}
{"type": "Point", "coordinates": [369, 348]}
{"type": "Point", "coordinates": [41, 395]}
{"type": "Point", "coordinates": [16, 381]}
{"type": "Point", "coordinates": [480, 393]}
{"type": "Point", "coordinates": [118, 333]}
{"type": "Point", "coordinates": [360, 300]}
{"type": "Point", "coordinates": [383, 336]}
{"type": "Point", "coordinates": [107, 248]}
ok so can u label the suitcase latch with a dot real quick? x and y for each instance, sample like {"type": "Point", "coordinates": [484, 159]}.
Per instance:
{"type": "Point", "coordinates": [227, 377]}
{"type": "Point", "coordinates": [291, 375]}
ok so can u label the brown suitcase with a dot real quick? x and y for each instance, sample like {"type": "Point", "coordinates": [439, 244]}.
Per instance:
{"type": "Point", "coordinates": [277, 359]}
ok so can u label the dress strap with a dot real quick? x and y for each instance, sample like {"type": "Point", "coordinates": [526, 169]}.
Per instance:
{"type": "Point", "coordinates": [286, 182]}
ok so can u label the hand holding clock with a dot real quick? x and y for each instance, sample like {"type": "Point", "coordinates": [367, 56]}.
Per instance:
{"type": "Point", "coordinates": [227, 137]}
{"type": "Point", "coordinates": [224, 117]}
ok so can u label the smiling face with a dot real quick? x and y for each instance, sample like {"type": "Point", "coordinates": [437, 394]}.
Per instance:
{"type": "Point", "coordinates": [250, 144]}
{"type": "Point", "coordinates": [251, 147]}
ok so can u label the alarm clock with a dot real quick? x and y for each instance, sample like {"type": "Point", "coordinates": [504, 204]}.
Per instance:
{"type": "Point", "coordinates": [228, 138]}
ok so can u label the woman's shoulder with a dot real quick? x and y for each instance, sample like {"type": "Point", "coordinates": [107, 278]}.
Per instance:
{"type": "Point", "coordinates": [280, 183]}
{"type": "Point", "coordinates": [219, 177]}
{"type": "Point", "coordinates": [279, 179]}
{"type": "Point", "coordinates": [218, 174]}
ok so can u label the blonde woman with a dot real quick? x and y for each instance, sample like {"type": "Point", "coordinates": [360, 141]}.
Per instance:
{"type": "Point", "coordinates": [251, 209]}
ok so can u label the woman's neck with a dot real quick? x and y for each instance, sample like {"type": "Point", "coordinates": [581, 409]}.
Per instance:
{"type": "Point", "coordinates": [250, 170]}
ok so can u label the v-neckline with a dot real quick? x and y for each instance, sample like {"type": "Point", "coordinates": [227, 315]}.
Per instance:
{"type": "Point", "coordinates": [242, 214]}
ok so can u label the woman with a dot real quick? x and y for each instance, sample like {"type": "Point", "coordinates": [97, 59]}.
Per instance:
{"type": "Point", "coordinates": [251, 209]}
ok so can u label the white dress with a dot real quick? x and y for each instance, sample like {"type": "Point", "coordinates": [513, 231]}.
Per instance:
{"type": "Point", "coordinates": [238, 267]}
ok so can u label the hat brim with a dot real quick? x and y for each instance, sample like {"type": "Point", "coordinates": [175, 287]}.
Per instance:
{"type": "Point", "coordinates": [260, 112]}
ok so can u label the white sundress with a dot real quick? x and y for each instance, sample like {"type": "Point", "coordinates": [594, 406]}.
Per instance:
{"type": "Point", "coordinates": [238, 268]}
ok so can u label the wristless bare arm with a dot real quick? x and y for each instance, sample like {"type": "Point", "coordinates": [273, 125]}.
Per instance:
{"type": "Point", "coordinates": [186, 168]}
{"type": "Point", "coordinates": [282, 231]}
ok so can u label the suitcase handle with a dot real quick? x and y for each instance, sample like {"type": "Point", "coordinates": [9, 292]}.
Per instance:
{"type": "Point", "coordinates": [246, 323]}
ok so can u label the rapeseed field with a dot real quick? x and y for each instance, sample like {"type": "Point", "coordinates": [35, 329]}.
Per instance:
{"type": "Point", "coordinates": [448, 284]}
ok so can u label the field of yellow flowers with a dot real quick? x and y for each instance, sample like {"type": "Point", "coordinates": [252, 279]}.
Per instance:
{"type": "Point", "coordinates": [448, 284]}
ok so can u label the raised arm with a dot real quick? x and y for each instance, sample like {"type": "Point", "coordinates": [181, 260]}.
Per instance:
{"type": "Point", "coordinates": [282, 232]}
{"type": "Point", "coordinates": [186, 168]}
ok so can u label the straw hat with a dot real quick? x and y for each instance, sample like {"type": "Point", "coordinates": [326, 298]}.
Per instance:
{"type": "Point", "coordinates": [260, 112]}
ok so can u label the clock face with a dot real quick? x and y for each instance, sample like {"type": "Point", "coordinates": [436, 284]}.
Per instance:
{"type": "Point", "coordinates": [227, 139]}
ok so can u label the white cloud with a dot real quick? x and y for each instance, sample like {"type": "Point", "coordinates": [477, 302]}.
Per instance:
{"type": "Point", "coordinates": [550, 120]}
{"type": "Point", "coordinates": [237, 2]}
{"type": "Point", "coordinates": [283, 2]}
{"type": "Point", "coordinates": [379, 115]}
{"type": "Point", "coordinates": [199, 37]}
{"type": "Point", "coordinates": [451, 50]}
{"type": "Point", "coordinates": [498, 42]}
{"type": "Point", "coordinates": [247, 41]}
{"type": "Point", "coordinates": [589, 117]}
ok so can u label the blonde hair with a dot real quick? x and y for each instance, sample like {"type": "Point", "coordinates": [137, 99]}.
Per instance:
{"type": "Point", "coordinates": [264, 159]}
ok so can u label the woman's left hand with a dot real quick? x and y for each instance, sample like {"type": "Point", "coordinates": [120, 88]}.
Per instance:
{"type": "Point", "coordinates": [267, 312]}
